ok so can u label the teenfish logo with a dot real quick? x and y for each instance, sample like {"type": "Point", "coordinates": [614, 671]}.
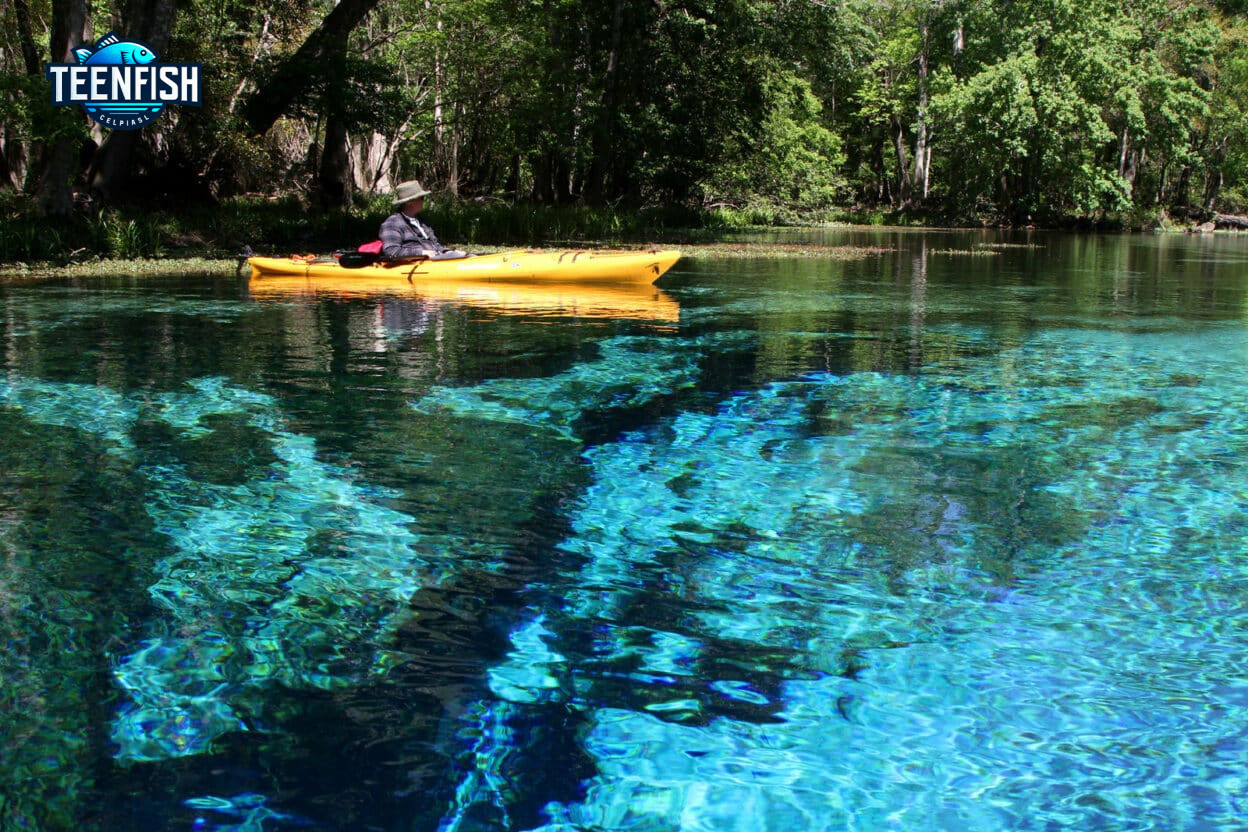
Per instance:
{"type": "Point", "coordinates": [120, 85]}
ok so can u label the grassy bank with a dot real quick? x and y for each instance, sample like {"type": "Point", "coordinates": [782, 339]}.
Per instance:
{"type": "Point", "coordinates": [228, 267]}
{"type": "Point", "coordinates": [111, 267]}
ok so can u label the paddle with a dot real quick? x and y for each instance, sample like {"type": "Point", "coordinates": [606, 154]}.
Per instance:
{"type": "Point", "coordinates": [360, 259]}
{"type": "Point", "coordinates": [357, 259]}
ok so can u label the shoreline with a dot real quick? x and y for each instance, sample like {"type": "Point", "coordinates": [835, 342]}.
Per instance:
{"type": "Point", "coordinates": [231, 267]}
{"type": "Point", "coordinates": [11, 273]}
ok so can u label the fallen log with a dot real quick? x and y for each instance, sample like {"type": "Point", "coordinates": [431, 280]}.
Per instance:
{"type": "Point", "coordinates": [1230, 221]}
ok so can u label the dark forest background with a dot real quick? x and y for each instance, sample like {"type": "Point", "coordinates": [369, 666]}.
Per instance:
{"type": "Point", "coordinates": [1125, 112]}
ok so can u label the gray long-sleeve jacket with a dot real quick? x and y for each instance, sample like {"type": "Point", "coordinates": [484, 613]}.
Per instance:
{"type": "Point", "coordinates": [404, 236]}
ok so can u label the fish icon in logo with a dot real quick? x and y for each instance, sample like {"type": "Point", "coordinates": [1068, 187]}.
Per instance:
{"type": "Point", "coordinates": [111, 49]}
{"type": "Point", "coordinates": [122, 84]}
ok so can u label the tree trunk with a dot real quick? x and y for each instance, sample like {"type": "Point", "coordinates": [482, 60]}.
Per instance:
{"type": "Point", "coordinates": [1215, 180]}
{"type": "Point", "coordinates": [53, 195]}
{"type": "Point", "coordinates": [7, 177]}
{"type": "Point", "coordinates": [13, 152]}
{"type": "Point", "coordinates": [452, 154]}
{"type": "Point", "coordinates": [905, 187]}
{"type": "Point", "coordinates": [334, 177]}
{"type": "Point", "coordinates": [921, 152]}
{"type": "Point", "coordinates": [12, 161]}
{"type": "Point", "coordinates": [439, 127]}
{"type": "Point", "coordinates": [372, 159]}
{"type": "Point", "coordinates": [30, 52]}
{"type": "Point", "coordinates": [1184, 184]}
{"type": "Point", "coordinates": [1122, 153]}
{"type": "Point", "coordinates": [1230, 221]}
{"type": "Point", "coordinates": [55, 162]}
{"type": "Point", "coordinates": [600, 147]}
{"type": "Point", "coordinates": [334, 171]}
{"type": "Point", "coordinates": [1128, 162]}
{"type": "Point", "coordinates": [1213, 189]}
{"type": "Point", "coordinates": [879, 168]}
{"type": "Point", "coordinates": [150, 21]}
{"type": "Point", "coordinates": [927, 168]}
{"type": "Point", "coordinates": [297, 72]}
{"type": "Point", "coordinates": [512, 188]}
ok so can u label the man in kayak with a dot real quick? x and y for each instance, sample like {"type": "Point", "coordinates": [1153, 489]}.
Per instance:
{"type": "Point", "coordinates": [403, 235]}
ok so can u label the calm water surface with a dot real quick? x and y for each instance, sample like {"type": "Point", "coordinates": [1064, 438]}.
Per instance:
{"type": "Point", "coordinates": [953, 536]}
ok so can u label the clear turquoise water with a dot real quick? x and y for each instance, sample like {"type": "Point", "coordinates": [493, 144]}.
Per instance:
{"type": "Point", "coordinates": [952, 537]}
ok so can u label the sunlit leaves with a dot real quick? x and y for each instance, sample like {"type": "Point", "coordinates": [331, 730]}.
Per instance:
{"type": "Point", "coordinates": [1082, 103]}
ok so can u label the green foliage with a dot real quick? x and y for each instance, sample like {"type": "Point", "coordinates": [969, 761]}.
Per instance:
{"type": "Point", "coordinates": [109, 234]}
{"type": "Point", "coordinates": [288, 226]}
{"type": "Point", "coordinates": [1027, 110]}
{"type": "Point", "coordinates": [495, 223]}
{"type": "Point", "coordinates": [792, 160]}
{"type": "Point", "coordinates": [128, 237]}
{"type": "Point", "coordinates": [1225, 154]}
{"type": "Point", "coordinates": [27, 114]}
{"type": "Point", "coordinates": [1081, 100]}
{"type": "Point", "coordinates": [29, 241]}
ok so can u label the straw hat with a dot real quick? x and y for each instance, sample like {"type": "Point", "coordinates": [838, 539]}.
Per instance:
{"type": "Point", "coordinates": [407, 191]}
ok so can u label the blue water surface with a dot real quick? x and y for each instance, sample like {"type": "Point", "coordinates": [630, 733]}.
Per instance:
{"type": "Point", "coordinates": [945, 532]}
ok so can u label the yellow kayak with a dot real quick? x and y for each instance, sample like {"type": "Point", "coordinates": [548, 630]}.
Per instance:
{"type": "Point", "coordinates": [636, 301]}
{"type": "Point", "coordinates": [525, 266]}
